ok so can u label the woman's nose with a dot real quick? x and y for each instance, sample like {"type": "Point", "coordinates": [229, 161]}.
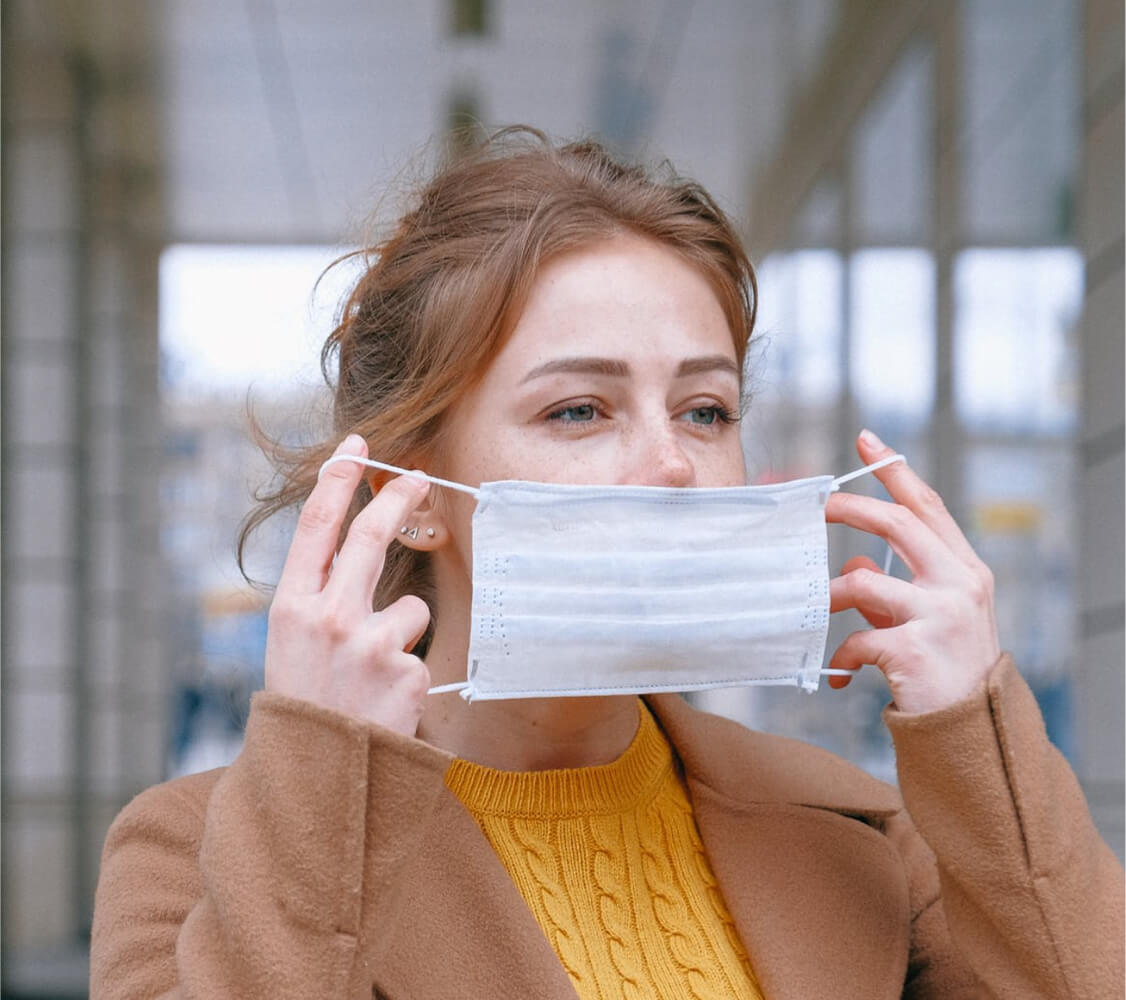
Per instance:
{"type": "Point", "coordinates": [663, 461]}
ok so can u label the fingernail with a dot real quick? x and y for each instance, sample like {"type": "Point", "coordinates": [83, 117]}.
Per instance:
{"type": "Point", "coordinates": [353, 444]}
{"type": "Point", "coordinates": [870, 439]}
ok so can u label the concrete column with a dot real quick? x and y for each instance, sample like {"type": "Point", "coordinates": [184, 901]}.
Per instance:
{"type": "Point", "coordinates": [1099, 693]}
{"type": "Point", "coordinates": [947, 443]}
{"type": "Point", "coordinates": [82, 665]}
{"type": "Point", "coordinates": [42, 439]}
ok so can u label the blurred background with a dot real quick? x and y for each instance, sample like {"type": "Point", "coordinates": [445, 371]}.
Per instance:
{"type": "Point", "coordinates": [932, 190]}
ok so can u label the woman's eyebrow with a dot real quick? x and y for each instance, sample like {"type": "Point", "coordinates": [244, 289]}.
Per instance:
{"type": "Point", "coordinates": [579, 366]}
{"type": "Point", "coordinates": [710, 363]}
{"type": "Point", "coordinates": [619, 369]}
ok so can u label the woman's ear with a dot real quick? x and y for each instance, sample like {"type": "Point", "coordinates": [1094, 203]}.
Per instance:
{"type": "Point", "coordinates": [424, 529]}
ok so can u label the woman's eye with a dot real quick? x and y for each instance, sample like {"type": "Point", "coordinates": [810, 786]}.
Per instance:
{"type": "Point", "coordinates": [579, 414]}
{"type": "Point", "coordinates": [707, 415]}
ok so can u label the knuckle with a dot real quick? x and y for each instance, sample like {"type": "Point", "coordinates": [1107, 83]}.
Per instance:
{"type": "Point", "coordinates": [335, 624]}
{"type": "Point", "coordinates": [981, 586]}
{"type": "Point", "coordinates": [315, 515]}
{"type": "Point", "coordinates": [283, 611]}
{"type": "Point", "coordinates": [380, 644]}
{"type": "Point", "coordinates": [853, 644]}
{"type": "Point", "coordinates": [863, 579]}
{"type": "Point", "coordinates": [901, 518]}
{"type": "Point", "coordinates": [930, 500]}
{"type": "Point", "coordinates": [371, 531]}
{"type": "Point", "coordinates": [985, 575]}
{"type": "Point", "coordinates": [416, 680]}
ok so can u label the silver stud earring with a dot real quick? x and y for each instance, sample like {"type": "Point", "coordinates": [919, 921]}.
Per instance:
{"type": "Point", "coordinates": [430, 532]}
{"type": "Point", "coordinates": [411, 533]}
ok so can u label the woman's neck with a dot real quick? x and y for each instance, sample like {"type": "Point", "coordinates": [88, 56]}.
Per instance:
{"type": "Point", "coordinates": [527, 734]}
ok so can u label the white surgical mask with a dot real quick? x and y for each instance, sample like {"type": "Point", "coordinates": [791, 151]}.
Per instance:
{"type": "Point", "coordinates": [599, 590]}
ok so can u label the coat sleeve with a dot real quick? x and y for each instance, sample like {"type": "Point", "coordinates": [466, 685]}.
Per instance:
{"type": "Point", "coordinates": [1025, 892]}
{"type": "Point", "coordinates": [260, 888]}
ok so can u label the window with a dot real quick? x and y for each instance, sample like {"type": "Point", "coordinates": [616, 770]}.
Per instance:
{"type": "Point", "coordinates": [892, 329]}
{"type": "Point", "coordinates": [1015, 357]}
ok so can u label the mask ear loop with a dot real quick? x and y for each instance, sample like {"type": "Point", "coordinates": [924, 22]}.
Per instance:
{"type": "Point", "coordinates": [372, 463]}
{"type": "Point", "coordinates": [849, 476]}
{"type": "Point", "coordinates": [889, 555]}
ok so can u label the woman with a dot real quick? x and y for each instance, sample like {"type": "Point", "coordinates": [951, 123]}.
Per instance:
{"type": "Point", "coordinates": [547, 314]}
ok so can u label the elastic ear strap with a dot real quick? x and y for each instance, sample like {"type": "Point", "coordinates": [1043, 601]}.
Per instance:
{"type": "Point", "coordinates": [847, 477]}
{"type": "Point", "coordinates": [841, 480]}
{"type": "Point", "coordinates": [444, 688]}
{"type": "Point", "coordinates": [448, 483]}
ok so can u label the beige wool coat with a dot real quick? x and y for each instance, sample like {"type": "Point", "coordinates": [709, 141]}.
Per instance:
{"type": "Point", "coordinates": [330, 860]}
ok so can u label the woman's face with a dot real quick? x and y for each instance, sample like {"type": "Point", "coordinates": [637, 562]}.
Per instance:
{"type": "Point", "coordinates": [620, 370]}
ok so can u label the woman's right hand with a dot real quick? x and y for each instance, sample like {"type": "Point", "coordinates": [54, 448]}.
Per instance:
{"type": "Point", "coordinates": [325, 644]}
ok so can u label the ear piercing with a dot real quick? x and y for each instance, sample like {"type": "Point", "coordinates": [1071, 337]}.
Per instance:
{"type": "Point", "coordinates": [412, 532]}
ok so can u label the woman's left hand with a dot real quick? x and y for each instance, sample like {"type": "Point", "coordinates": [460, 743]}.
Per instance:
{"type": "Point", "coordinates": [935, 637]}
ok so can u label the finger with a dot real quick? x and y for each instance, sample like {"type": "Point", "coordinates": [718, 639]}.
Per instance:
{"type": "Point", "coordinates": [837, 662]}
{"type": "Point", "coordinates": [906, 487]}
{"type": "Point", "coordinates": [405, 621]}
{"type": "Point", "coordinates": [310, 553]}
{"type": "Point", "coordinates": [403, 694]}
{"type": "Point", "coordinates": [919, 547]}
{"type": "Point", "coordinates": [863, 562]}
{"type": "Point", "coordinates": [865, 646]}
{"type": "Point", "coordinates": [883, 600]}
{"type": "Point", "coordinates": [859, 562]}
{"type": "Point", "coordinates": [360, 560]}
{"type": "Point", "coordinates": [836, 681]}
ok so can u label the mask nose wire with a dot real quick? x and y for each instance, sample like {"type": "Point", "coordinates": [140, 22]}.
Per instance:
{"type": "Point", "coordinates": [448, 483]}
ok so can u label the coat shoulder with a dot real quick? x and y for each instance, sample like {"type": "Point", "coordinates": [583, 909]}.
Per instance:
{"type": "Point", "coordinates": [742, 764]}
{"type": "Point", "coordinates": [179, 804]}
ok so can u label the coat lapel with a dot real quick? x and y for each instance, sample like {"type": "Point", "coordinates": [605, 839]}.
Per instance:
{"type": "Point", "coordinates": [466, 931]}
{"type": "Point", "coordinates": [819, 896]}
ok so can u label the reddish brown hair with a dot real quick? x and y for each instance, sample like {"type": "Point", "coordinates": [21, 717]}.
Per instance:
{"type": "Point", "coordinates": [439, 296]}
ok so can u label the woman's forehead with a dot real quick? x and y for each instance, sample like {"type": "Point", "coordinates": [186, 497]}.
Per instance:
{"type": "Point", "coordinates": [625, 298]}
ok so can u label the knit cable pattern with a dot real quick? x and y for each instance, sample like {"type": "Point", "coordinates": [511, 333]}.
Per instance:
{"type": "Point", "coordinates": [670, 905]}
{"type": "Point", "coordinates": [615, 911]}
{"type": "Point", "coordinates": [542, 861]}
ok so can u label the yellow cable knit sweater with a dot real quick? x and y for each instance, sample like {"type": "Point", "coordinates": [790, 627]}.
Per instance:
{"type": "Point", "coordinates": [611, 863]}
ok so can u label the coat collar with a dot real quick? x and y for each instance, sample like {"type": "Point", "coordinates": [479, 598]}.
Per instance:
{"type": "Point", "coordinates": [819, 899]}
{"type": "Point", "coordinates": [751, 767]}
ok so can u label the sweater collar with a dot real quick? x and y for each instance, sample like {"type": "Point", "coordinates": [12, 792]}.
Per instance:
{"type": "Point", "coordinates": [619, 786]}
